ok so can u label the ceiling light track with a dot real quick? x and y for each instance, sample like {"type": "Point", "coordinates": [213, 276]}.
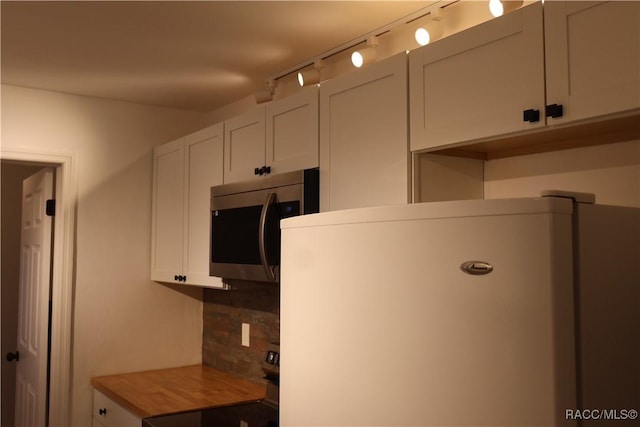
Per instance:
{"type": "Point", "coordinates": [363, 39]}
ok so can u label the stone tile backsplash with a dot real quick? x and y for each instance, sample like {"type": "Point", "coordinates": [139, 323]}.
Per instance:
{"type": "Point", "coordinates": [224, 312]}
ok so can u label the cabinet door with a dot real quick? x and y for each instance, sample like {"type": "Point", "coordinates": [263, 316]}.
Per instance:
{"type": "Point", "coordinates": [244, 145]}
{"type": "Point", "coordinates": [167, 211]}
{"type": "Point", "coordinates": [477, 83]}
{"type": "Point", "coordinates": [292, 132]}
{"type": "Point", "coordinates": [593, 57]}
{"type": "Point", "coordinates": [364, 158]}
{"type": "Point", "coordinates": [203, 166]}
{"type": "Point", "coordinates": [108, 413]}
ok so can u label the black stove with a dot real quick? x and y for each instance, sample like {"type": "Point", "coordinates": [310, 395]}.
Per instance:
{"type": "Point", "coordinates": [253, 414]}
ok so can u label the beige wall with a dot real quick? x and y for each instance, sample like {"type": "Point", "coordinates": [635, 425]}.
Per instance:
{"type": "Point", "coordinates": [610, 171]}
{"type": "Point", "coordinates": [122, 321]}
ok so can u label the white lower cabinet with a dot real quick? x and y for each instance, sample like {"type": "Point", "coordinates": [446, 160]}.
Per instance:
{"type": "Point", "coordinates": [107, 413]}
{"type": "Point", "coordinates": [184, 172]}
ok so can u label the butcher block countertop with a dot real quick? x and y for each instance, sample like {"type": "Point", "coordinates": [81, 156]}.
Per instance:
{"type": "Point", "coordinates": [167, 391]}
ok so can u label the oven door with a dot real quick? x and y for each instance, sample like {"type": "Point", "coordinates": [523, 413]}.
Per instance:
{"type": "Point", "coordinates": [245, 232]}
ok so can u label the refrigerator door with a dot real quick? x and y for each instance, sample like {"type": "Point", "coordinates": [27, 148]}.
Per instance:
{"type": "Point", "coordinates": [608, 245]}
{"type": "Point", "coordinates": [380, 326]}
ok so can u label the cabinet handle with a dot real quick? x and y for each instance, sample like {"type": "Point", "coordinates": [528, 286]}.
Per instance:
{"type": "Point", "coordinates": [102, 411]}
{"type": "Point", "coordinates": [554, 111]}
{"type": "Point", "coordinates": [264, 170]}
{"type": "Point", "coordinates": [531, 115]}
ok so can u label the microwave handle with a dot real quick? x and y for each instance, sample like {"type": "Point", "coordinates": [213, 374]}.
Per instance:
{"type": "Point", "coordinates": [271, 199]}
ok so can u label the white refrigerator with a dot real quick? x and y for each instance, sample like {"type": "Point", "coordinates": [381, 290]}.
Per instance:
{"type": "Point", "coordinates": [506, 312]}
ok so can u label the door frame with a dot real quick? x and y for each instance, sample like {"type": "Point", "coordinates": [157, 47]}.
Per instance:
{"type": "Point", "coordinates": [62, 275]}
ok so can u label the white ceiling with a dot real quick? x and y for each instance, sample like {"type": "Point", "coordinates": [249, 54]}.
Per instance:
{"type": "Point", "coordinates": [198, 55]}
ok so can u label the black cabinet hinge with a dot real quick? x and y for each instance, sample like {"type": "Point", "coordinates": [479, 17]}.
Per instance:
{"type": "Point", "coordinates": [50, 208]}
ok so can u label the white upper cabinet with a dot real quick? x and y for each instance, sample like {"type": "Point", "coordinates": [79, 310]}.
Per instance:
{"type": "Point", "coordinates": [168, 211]}
{"type": "Point", "coordinates": [485, 81]}
{"type": "Point", "coordinates": [364, 158]}
{"type": "Point", "coordinates": [276, 137]}
{"type": "Point", "coordinates": [592, 58]}
{"type": "Point", "coordinates": [292, 132]}
{"type": "Point", "coordinates": [184, 172]}
{"type": "Point", "coordinates": [521, 72]}
{"type": "Point", "coordinates": [244, 148]}
{"type": "Point", "coordinates": [203, 170]}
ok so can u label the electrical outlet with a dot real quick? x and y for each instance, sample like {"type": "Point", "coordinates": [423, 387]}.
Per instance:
{"type": "Point", "coordinates": [245, 334]}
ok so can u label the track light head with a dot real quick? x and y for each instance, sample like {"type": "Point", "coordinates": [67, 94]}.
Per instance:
{"type": "Point", "coordinates": [263, 96]}
{"type": "Point", "coordinates": [428, 33]}
{"type": "Point", "coordinates": [366, 55]}
{"type": "Point", "coordinates": [312, 75]}
{"type": "Point", "coordinates": [266, 95]}
{"type": "Point", "coordinates": [309, 77]}
{"type": "Point", "coordinates": [363, 57]}
{"type": "Point", "coordinates": [500, 7]}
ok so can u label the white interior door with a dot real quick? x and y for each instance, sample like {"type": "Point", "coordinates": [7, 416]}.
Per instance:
{"type": "Point", "coordinates": [33, 311]}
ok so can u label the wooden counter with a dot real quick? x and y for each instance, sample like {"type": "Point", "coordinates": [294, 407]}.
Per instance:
{"type": "Point", "coordinates": [173, 390]}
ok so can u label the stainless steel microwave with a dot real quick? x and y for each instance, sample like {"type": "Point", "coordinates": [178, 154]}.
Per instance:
{"type": "Point", "coordinates": [245, 222]}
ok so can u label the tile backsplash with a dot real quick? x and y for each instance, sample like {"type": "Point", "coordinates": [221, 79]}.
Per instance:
{"type": "Point", "coordinates": [224, 312]}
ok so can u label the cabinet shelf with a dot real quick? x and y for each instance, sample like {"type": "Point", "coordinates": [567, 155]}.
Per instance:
{"type": "Point", "coordinates": [594, 132]}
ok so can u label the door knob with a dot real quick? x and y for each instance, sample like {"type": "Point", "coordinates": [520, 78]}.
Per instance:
{"type": "Point", "coordinates": [13, 356]}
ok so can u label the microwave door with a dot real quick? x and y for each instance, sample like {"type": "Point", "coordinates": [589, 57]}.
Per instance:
{"type": "Point", "coordinates": [235, 237]}
{"type": "Point", "coordinates": [245, 230]}
{"type": "Point", "coordinates": [245, 240]}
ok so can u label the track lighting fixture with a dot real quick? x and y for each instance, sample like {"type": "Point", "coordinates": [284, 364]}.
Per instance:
{"type": "Point", "coordinates": [429, 32]}
{"type": "Point", "coordinates": [367, 55]}
{"type": "Point", "coordinates": [432, 30]}
{"type": "Point", "coordinates": [266, 95]}
{"type": "Point", "coordinates": [500, 7]}
{"type": "Point", "coordinates": [309, 77]}
{"type": "Point", "coordinates": [312, 75]}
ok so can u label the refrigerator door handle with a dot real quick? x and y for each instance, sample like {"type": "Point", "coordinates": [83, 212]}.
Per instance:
{"type": "Point", "coordinates": [476, 268]}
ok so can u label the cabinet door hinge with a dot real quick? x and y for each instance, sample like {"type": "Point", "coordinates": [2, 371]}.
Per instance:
{"type": "Point", "coordinates": [50, 208]}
